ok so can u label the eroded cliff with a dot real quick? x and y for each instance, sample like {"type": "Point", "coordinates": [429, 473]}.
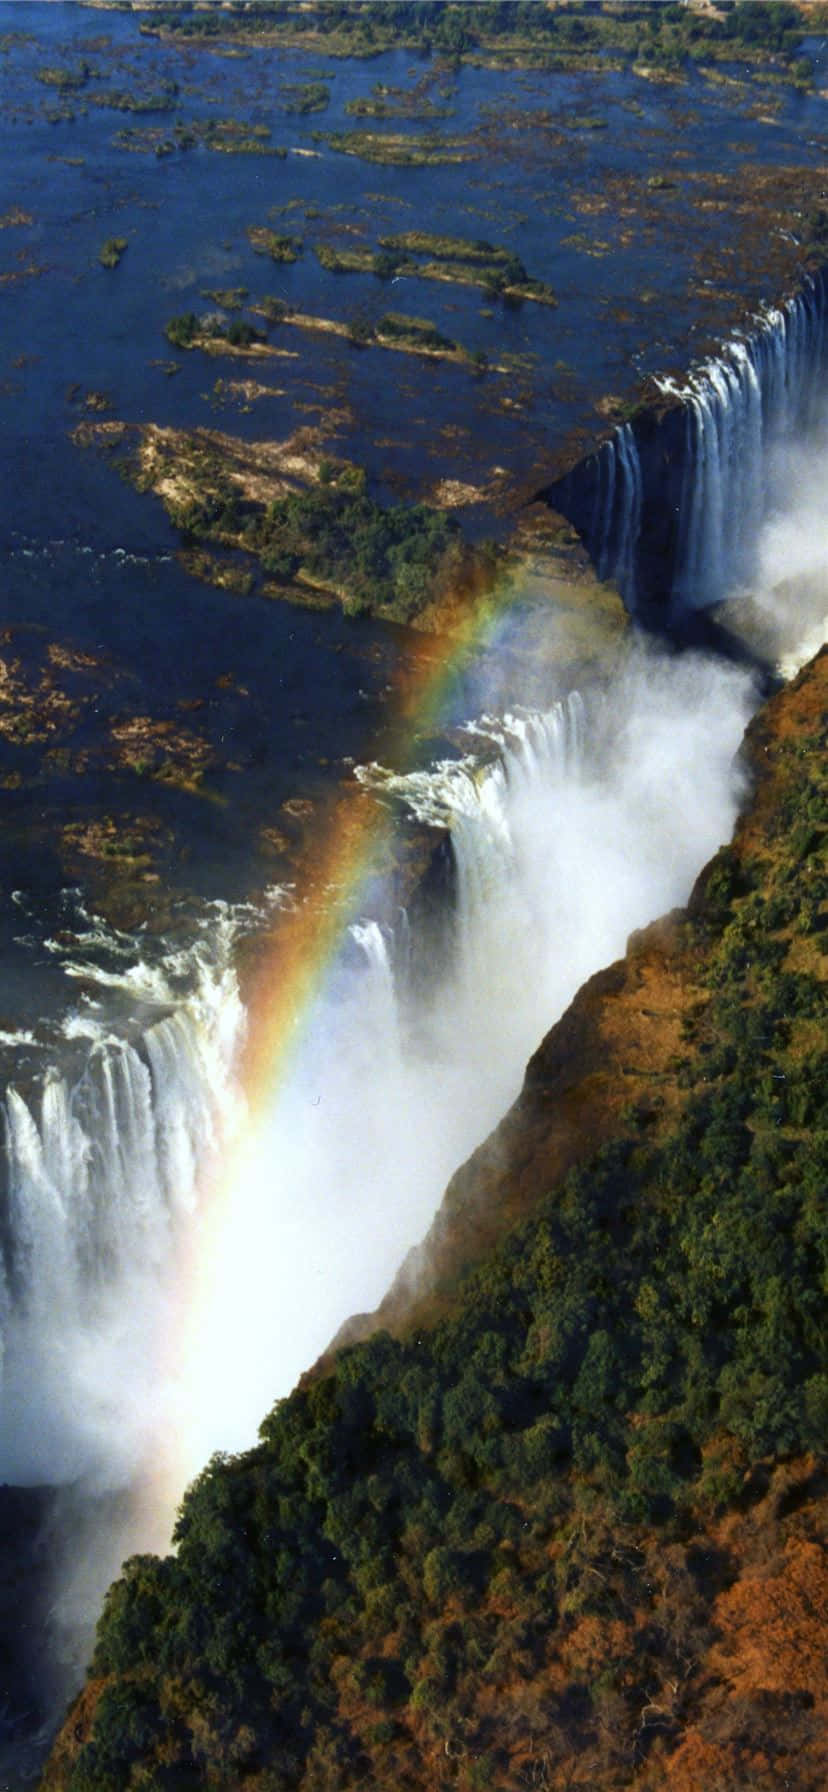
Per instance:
{"type": "Point", "coordinates": [558, 1519]}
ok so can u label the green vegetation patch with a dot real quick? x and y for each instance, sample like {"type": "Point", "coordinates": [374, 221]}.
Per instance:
{"type": "Point", "coordinates": [583, 121]}
{"type": "Point", "coordinates": [345, 261]}
{"type": "Point", "coordinates": [279, 246]}
{"type": "Point", "coordinates": [393, 560]}
{"type": "Point", "coordinates": [417, 332]}
{"type": "Point", "coordinates": [329, 535]}
{"type": "Point", "coordinates": [231, 298]}
{"type": "Point", "coordinates": [188, 330]}
{"type": "Point", "coordinates": [398, 150]}
{"type": "Point", "coordinates": [112, 252]}
{"type": "Point", "coordinates": [125, 99]}
{"type": "Point", "coordinates": [305, 96]}
{"type": "Point", "coordinates": [65, 80]}
{"type": "Point", "coordinates": [445, 248]}
{"type": "Point", "coordinates": [242, 145]}
{"type": "Point", "coordinates": [225, 136]}
{"type": "Point", "coordinates": [664, 38]}
{"type": "Point", "coordinates": [498, 271]}
{"type": "Point", "coordinates": [373, 106]}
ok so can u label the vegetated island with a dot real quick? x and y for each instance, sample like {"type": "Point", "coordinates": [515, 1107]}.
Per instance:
{"type": "Point", "coordinates": [287, 520]}
{"type": "Point", "coordinates": [561, 1520]}
{"type": "Point", "coordinates": [453, 259]}
{"type": "Point", "coordinates": [394, 330]}
{"type": "Point", "coordinates": [112, 252]}
{"type": "Point", "coordinates": [397, 149]}
{"type": "Point", "coordinates": [302, 519]}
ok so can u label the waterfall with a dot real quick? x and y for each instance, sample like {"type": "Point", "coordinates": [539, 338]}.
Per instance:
{"type": "Point", "coordinates": [671, 505]}
{"type": "Point", "coordinates": [516, 750]}
{"type": "Point", "coordinates": [377, 986]}
{"type": "Point", "coordinates": [103, 1168]}
{"type": "Point", "coordinates": [568, 826]}
{"type": "Point", "coordinates": [153, 1311]}
{"type": "Point", "coordinates": [616, 520]}
{"type": "Point", "coordinates": [390, 1081]}
{"type": "Point", "coordinates": [760, 392]}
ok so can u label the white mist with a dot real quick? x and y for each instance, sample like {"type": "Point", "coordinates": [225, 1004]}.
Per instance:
{"type": "Point", "coordinates": [561, 851]}
{"type": "Point", "coordinates": [159, 1304]}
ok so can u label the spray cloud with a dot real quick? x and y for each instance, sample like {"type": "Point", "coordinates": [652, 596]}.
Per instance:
{"type": "Point", "coordinates": [570, 828]}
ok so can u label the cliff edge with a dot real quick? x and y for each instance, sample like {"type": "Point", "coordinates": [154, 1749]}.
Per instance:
{"type": "Point", "coordinates": [557, 1519]}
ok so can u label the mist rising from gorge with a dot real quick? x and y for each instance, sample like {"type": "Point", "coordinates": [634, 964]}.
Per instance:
{"type": "Point", "coordinates": [580, 831]}
{"type": "Point", "coordinates": [785, 616]}
{"type": "Point", "coordinates": [570, 829]}
{"type": "Point", "coordinates": [560, 854]}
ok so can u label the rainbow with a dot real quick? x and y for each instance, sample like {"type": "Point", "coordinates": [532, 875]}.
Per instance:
{"type": "Point", "coordinates": [307, 945]}
{"type": "Point", "coordinates": [215, 1298]}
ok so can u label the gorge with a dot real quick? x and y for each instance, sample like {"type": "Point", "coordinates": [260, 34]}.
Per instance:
{"type": "Point", "coordinates": [568, 829]}
{"type": "Point", "coordinates": [533, 1523]}
{"type": "Point", "coordinates": [234, 1097]}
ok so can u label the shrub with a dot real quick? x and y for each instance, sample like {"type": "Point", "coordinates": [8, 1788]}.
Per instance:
{"type": "Point", "coordinates": [112, 251]}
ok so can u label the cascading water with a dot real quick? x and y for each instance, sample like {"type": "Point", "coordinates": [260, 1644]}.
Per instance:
{"type": "Point", "coordinates": [103, 1166]}
{"type": "Point", "coordinates": [130, 1100]}
{"type": "Point", "coordinates": [480, 799]}
{"type": "Point", "coordinates": [616, 521]}
{"type": "Point", "coordinates": [671, 508]}
{"type": "Point", "coordinates": [152, 1311]}
{"type": "Point", "coordinates": [760, 393]}
{"type": "Point", "coordinates": [143, 1318]}
{"type": "Point", "coordinates": [568, 829]}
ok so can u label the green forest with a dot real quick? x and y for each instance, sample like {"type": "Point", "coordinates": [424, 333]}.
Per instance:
{"type": "Point", "coordinates": [392, 559]}
{"type": "Point", "coordinates": [464, 1555]}
{"type": "Point", "coordinates": [564, 36]}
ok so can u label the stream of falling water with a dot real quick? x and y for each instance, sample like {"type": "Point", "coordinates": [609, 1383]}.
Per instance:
{"type": "Point", "coordinates": [569, 827]}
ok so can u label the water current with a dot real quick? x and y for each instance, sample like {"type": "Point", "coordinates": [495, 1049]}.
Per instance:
{"type": "Point", "coordinates": [175, 1252]}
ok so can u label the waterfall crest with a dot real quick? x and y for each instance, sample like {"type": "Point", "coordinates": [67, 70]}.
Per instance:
{"type": "Point", "coordinates": [671, 505]}
{"type": "Point", "coordinates": [762, 391]}
{"type": "Point", "coordinates": [512, 751]}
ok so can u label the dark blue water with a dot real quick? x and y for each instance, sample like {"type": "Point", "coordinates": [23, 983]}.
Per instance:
{"type": "Point", "coordinates": [286, 697]}
{"type": "Point", "coordinates": [528, 183]}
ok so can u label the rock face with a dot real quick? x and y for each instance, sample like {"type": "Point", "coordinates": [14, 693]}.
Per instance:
{"type": "Point", "coordinates": [558, 1518]}
{"type": "Point", "coordinates": [618, 1051]}
{"type": "Point", "coordinates": [667, 503]}
{"type": "Point", "coordinates": [24, 1589]}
